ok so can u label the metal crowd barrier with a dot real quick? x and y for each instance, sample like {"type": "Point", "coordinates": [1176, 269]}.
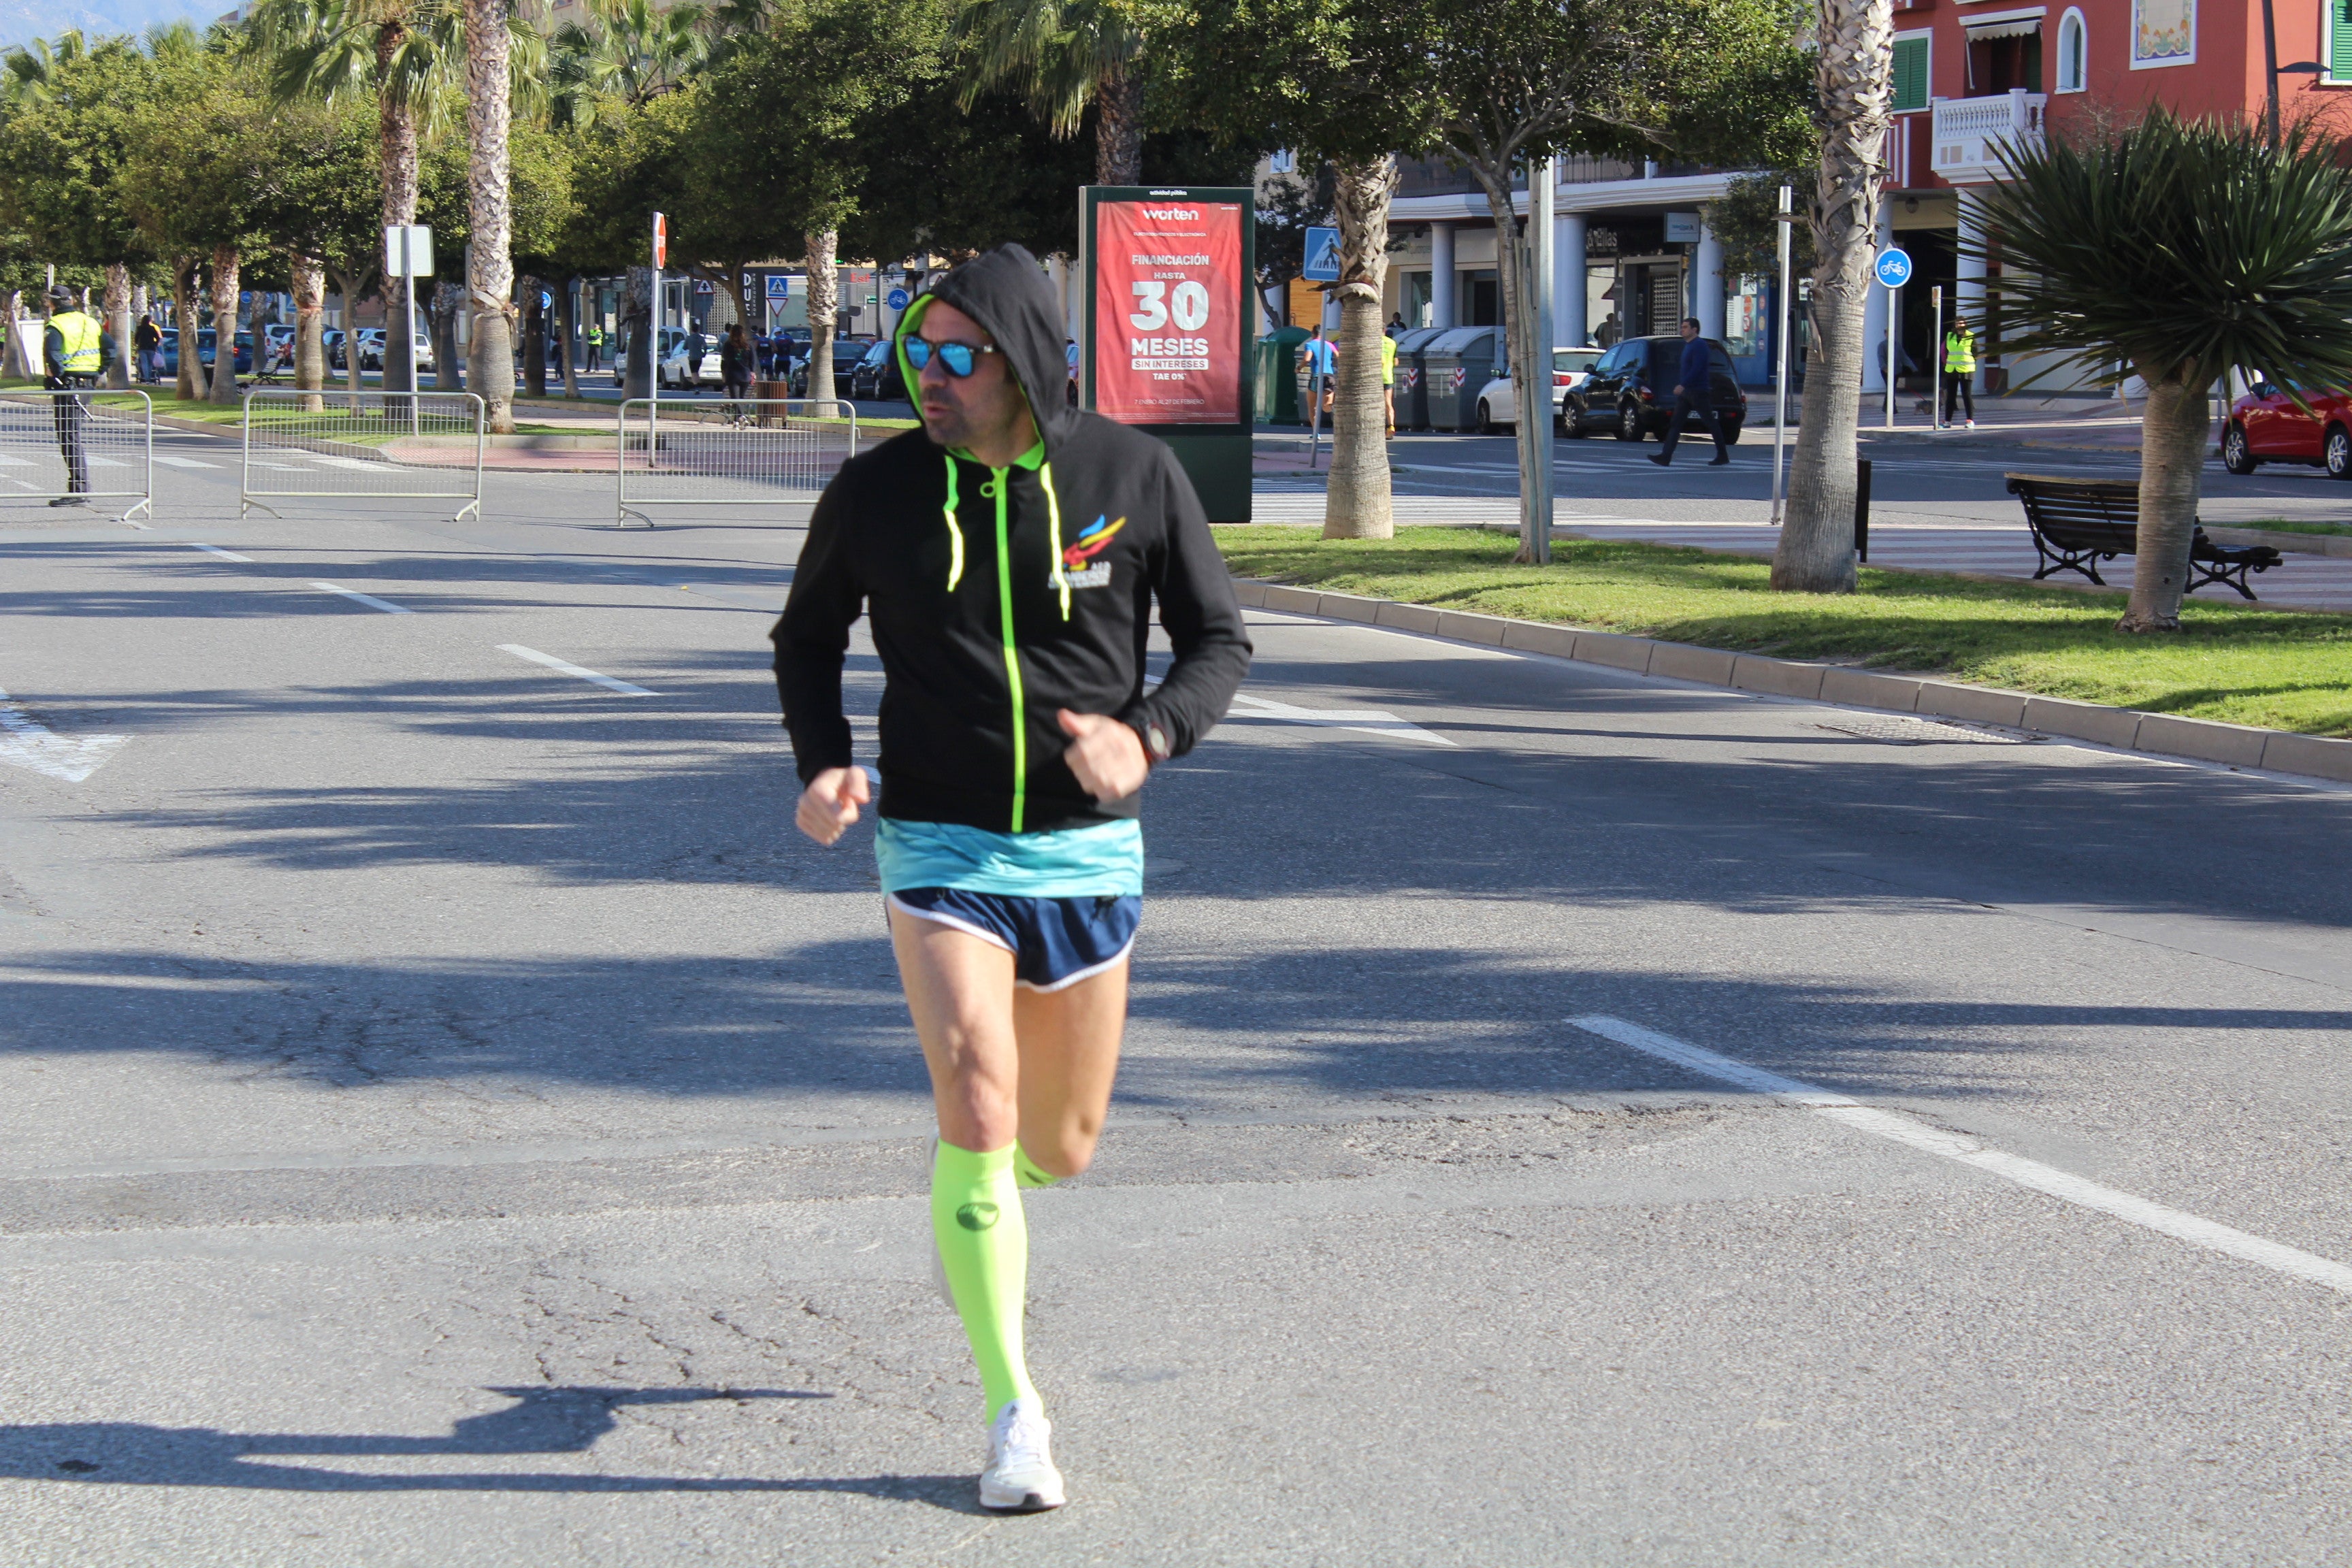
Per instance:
{"type": "Point", "coordinates": [391, 446]}
{"type": "Point", "coordinates": [746, 451]}
{"type": "Point", "coordinates": [65, 448]}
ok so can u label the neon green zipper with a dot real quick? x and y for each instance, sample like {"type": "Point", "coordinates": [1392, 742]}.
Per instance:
{"type": "Point", "coordinates": [997, 487]}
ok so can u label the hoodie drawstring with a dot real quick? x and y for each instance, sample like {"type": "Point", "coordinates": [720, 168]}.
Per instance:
{"type": "Point", "coordinates": [955, 534]}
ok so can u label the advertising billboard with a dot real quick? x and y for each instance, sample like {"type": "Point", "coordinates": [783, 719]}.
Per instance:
{"type": "Point", "coordinates": [1169, 331]}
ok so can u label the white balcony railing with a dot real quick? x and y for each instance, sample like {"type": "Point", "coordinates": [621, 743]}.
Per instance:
{"type": "Point", "coordinates": [1969, 131]}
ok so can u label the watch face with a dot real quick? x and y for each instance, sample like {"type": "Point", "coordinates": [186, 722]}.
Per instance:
{"type": "Point", "coordinates": [1159, 741]}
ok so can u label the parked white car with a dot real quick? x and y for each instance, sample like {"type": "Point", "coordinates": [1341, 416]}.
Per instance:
{"type": "Point", "coordinates": [1498, 400]}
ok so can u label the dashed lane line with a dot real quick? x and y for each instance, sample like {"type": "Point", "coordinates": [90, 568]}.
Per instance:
{"type": "Point", "coordinates": [370, 600]}
{"type": "Point", "coordinates": [216, 549]}
{"type": "Point", "coordinates": [568, 667]}
{"type": "Point", "coordinates": [2049, 1180]}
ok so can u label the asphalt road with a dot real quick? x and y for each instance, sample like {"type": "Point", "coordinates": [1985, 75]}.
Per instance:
{"type": "Point", "coordinates": [451, 1117]}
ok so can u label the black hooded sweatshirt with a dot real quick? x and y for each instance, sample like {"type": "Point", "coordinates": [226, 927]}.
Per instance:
{"type": "Point", "coordinates": [999, 597]}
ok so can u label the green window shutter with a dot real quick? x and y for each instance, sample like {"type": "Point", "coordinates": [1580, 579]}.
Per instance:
{"type": "Point", "coordinates": [2339, 40]}
{"type": "Point", "coordinates": [1911, 67]}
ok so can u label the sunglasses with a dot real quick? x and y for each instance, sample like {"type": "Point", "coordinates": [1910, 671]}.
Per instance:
{"type": "Point", "coordinates": [956, 359]}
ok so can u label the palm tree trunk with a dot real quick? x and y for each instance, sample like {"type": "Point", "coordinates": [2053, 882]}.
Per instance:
{"type": "Point", "coordinates": [534, 336]}
{"type": "Point", "coordinates": [1358, 503]}
{"type": "Point", "coordinates": [447, 299]}
{"type": "Point", "coordinates": [823, 302]}
{"type": "Point", "coordinates": [310, 328]}
{"type": "Point", "coordinates": [1119, 128]}
{"type": "Point", "coordinates": [2176, 423]}
{"type": "Point", "coordinates": [347, 287]}
{"type": "Point", "coordinates": [117, 321]}
{"type": "Point", "coordinates": [490, 215]}
{"type": "Point", "coordinates": [225, 268]}
{"type": "Point", "coordinates": [397, 149]}
{"type": "Point", "coordinates": [191, 382]}
{"type": "Point", "coordinates": [1855, 77]}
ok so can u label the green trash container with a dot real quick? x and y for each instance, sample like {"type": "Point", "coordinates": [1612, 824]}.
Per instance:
{"type": "Point", "coordinates": [1278, 384]}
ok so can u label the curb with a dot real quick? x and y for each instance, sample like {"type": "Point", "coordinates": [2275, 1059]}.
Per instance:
{"type": "Point", "coordinates": [2337, 544]}
{"type": "Point", "coordinates": [2123, 729]}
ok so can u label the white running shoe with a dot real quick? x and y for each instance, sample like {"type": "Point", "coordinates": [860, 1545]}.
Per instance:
{"type": "Point", "coordinates": [1021, 1477]}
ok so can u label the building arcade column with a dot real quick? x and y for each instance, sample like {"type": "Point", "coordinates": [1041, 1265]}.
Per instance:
{"type": "Point", "coordinates": [1568, 291]}
{"type": "Point", "coordinates": [1873, 316]}
{"type": "Point", "coordinates": [1441, 275]}
{"type": "Point", "coordinates": [1706, 287]}
{"type": "Point", "coordinates": [1969, 296]}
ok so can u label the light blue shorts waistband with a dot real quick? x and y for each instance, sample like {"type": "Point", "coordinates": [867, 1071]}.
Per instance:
{"type": "Point", "coordinates": [1104, 861]}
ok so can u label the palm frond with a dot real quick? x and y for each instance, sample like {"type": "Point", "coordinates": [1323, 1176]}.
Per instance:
{"type": "Point", "coordinates": [1057, 53]}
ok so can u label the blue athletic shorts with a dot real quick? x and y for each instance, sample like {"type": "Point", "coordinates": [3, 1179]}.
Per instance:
{"type": "Point", "coordinates": [1054, 942]}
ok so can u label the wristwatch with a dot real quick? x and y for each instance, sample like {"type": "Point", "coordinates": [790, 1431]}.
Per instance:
{"type": "Point", "coordinates": [1155, 740]}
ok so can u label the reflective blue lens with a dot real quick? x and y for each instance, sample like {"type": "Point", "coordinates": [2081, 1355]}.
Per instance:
{"type": "Point", "coordinates": [956, 359]}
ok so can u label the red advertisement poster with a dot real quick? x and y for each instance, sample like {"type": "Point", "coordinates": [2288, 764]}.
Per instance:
{"type": "Point", "coordinates": [1168, 312]}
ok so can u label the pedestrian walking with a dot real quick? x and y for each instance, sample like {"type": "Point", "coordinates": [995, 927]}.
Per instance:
{"type": "Point", "coordinates": [1694, 394]}
{"type": "Point", "coordinates": [1017, 736]}
{"type": "Point", "coordinates": [76, 350]}
{"type": "Point", "coordinates": [147, 345]}
{"type": "Point", "coordinates": [1070, 358]}
{"type": "Point", "coordinates": [735, 363]}
{"type": "Point", "coordinates": [1317, 356]}
{"type": "Point", "coordinates": [1960, 371]}
{"type": "Point", "coordinates": [595, 345]}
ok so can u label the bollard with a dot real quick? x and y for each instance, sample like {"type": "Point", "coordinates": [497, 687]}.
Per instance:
{"type": "Point", "coordinates": [1862, 509]}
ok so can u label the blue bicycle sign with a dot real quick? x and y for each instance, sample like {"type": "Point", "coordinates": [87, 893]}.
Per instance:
{"type": "Point", "coordinates": [1893, 267]}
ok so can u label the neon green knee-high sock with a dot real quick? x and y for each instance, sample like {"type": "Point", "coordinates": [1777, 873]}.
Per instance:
{"type": "Point", "coordinates": [984, 1247]}
{"type": "Point", "coordinates": [1027, 1172]}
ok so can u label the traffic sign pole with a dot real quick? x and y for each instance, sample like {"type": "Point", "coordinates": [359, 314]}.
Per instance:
{"type": "Point", "coordinates": [653, 352]}
{"type": "Point", "coordinates": [1936, 362]}
{"type": "Point", "coordinates": [1893, 268]}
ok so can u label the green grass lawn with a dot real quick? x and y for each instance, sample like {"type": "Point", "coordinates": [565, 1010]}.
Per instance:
{"type": "Point", "coordinates": [2233, 661]}
{"type": "Point", "coordinates": [2281, 525]}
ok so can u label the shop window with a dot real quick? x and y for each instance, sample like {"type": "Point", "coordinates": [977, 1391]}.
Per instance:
{"type": "Point", "coordinates": [2073, 52]}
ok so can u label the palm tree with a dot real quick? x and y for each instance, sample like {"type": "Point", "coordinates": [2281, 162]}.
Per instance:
{"type": "Point", "coordinates": [1360, 503]}
{"type": "Point", "coordinates": [628, 53]}
{"type": "Point", "coordinates": [2184, 248]}
{"type": "Point", "coordinates": [1855, 73]}
{"type": "Point", "coordinates": [489, 216]}
{"type": "Point", "coordinates": [1063, 55]}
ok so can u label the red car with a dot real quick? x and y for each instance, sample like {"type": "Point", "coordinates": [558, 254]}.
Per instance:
{"type": "Point", "coordinates": [2265, 427]}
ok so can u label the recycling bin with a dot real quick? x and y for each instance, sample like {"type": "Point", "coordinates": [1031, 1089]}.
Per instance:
{"type": "Point", "coordinates": [1278, 381]}
{"type": "Point", "coordinates": [1456, 366]}
{"type": "Point", "coordinates": [1411, 381]}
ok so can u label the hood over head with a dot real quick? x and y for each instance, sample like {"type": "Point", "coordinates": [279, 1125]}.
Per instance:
{"type": "Point", "coordinates": [1006, 291]}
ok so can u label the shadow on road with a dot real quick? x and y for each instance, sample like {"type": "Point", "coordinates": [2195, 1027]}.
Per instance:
{"type": "Point", "coordinates": [560, 1420]}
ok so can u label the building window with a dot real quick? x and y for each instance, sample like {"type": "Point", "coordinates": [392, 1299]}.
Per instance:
{"type": "Point", "coordinates": [2073, 52]}
{"type": "Point", "coordinates": [2164, 33]}
{"type": "Point", "coordinates": [2004, 56]}
{"type": "Point", "coordinates": [2335, 41]}
{"type": "Point", "coordinates": [1911, 70]}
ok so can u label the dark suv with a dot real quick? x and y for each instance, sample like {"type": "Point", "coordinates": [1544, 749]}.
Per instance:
{"type": "Point", "coordinates": [1632, 390]}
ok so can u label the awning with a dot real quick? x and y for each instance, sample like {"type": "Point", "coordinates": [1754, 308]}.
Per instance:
{"type": "Point", "coordinates": [1979, 32]}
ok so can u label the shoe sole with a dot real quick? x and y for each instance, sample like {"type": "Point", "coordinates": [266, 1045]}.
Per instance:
{"type": "Point", "coordinates": [1031, 1502]}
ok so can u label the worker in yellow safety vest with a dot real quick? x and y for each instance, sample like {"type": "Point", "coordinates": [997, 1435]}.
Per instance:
{"type": "Point", "coordinates": [1960, 371]}
{"type": "Point", "coordinates": [1388, 380]}
{"type": "Point", "coordinates": [78, 350]}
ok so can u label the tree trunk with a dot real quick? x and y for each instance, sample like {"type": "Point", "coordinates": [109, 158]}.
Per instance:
{"type": "Point", "coordinates": [447, 299]}
{"type": "Point", "coordinates": [1356, 505]}
{"type": "Point", "coordinates": [397, 149]}
{"type": "Point", "coordinates": [823, 304]}
{"type": "Point", "coordinates": [118, 321]}
{"type": "Point", "coordinates": [14, 361]}
{"type": "Point", "coordinates": [1530, 361]}
{"type": "Point", "coordinates": [489, 212]}
{"type": "Point", "coordinates": [346, 286]}
{"type": "Point", "coordinates": [225, 271]}
{"type": "Point", "coordinates": [637, 330]}
{"type": "Point", "coordinates": [1119, 128]}
{"type": "Point", "coordinates": [310, 328]}
{"type": "Point", "coordinates": [1855, 77]}
{"type": "Point", "coordinates": [2176, 423]}
{"type": "Point", "coordinates": [190, 386]}
{"type": "Point", "coordinates": [567, 331]}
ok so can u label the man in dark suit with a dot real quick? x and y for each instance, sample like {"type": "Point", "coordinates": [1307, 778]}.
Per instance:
{"type": "Point", "coordinates": [1694, 394]}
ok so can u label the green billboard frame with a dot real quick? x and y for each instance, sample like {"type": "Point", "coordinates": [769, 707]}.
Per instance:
{"type": "Point", "coordinates": [1216, 458]}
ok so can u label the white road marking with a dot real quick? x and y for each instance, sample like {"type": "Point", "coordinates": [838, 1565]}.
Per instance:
{"type": "Point", "coordinates": [216, 549]}
{"type": "Point", "coordinates": [352, 463]}
{"type": "Point", "coordinates": [2046, 1179]}
{"type": "Point", "coordinates": [96, 462]}
{"type": "Point", "coordinates": [370, 600]}
{"type": "Point", "coordinates": [1371, 721]}
{"type": "Point", "coordinates": [8, 462]}
{"type": "Point", "coordinates": [178, 462]}
{"type": "Point", "coordinates": [568, 667]}
{"type": "Point", "coordinates": [27, 743]}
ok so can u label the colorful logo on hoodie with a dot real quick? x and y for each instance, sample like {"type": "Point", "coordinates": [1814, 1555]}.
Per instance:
{"type": "Point", "coordinates": [1078, 563]}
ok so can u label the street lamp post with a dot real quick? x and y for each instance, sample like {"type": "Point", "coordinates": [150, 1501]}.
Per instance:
{"type": "Point", "coordinates": [1781, 379]}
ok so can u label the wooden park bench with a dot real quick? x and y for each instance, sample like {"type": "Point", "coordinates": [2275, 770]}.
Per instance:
{"type": "Point", "coordinates": [2077, 524]}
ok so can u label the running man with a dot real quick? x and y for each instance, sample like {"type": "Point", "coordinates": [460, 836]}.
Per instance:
{"type": "Point", "coordinates": [1007, 554]}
